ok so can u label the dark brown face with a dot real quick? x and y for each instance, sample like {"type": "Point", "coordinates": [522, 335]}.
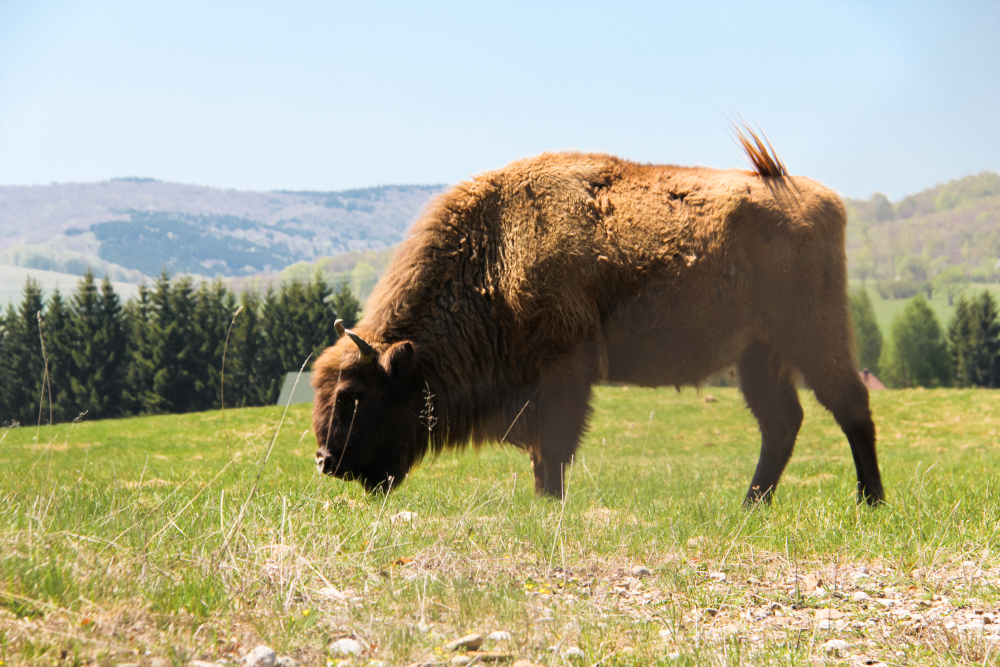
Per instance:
{"type": "Point", "coordinates": [367, 416]}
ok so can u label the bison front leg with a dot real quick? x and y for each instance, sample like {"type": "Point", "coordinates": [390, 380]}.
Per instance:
{"type": "Point", "coordinates": [563, 406]}
{"type": "Point", "coordinates": [771, 395]}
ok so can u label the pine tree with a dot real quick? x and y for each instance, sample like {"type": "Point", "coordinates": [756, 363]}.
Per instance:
{"type": "Point", "coordinates": [917, 355]}
{"type": "Point", "coordinates": [346, 307]}
{"type": "Point", "coordinates": [6, 371]}
{"type": "Point", "coordinates": [100, 349]}
{"type": "Point", "coordinates": [867, 336]}
{"type": "Point", "coordinates": [59, 344]}
{"type": "Point", "coordinates": [269, 367]}
{"type": "Point", "coordinates": [26, 366]}
{"type": "Point", "coordinates": [139, 369]}
{"type": "Point", "coordinates": [213, 312]}
{"type": "Point", "coordinates": [974, 341]}
{"type": "Point", "coordinates": [175, 346]}
{"type": "Point", "coordinates": [246, 342]}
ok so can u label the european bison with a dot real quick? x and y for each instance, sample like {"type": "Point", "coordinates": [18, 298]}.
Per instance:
{"type": "Point", "coordinates": [518, 290]}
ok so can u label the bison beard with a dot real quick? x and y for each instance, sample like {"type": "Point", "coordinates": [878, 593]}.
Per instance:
{"type": "Point", "coordinates": [517, 291]}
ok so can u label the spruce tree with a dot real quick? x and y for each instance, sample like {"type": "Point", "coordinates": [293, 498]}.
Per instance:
{"type": "Point", "coordinates": [175, 346]}
{"type": "Point", "coordinates": [974, 342]}
{"type": "Point", "coordinates": [917, 355]}
{"type": "Point", "coordinates": [59, 345]}
{"type": "Point", "coordinates": [246, 342]}
{"type": "Point", "coordinates": [345, 305]}
{"type": "Point", "coordinates": [27, 368]}
{"type": "Point", "coordinates": [213, 312]}
{"type": "Point", "coordinates": [270, 369]}
{"type": "Point", "coordinates": [139, 370]}
{"type": "Point", "coordinates": [867, 336]}
{"type": "Point", "coordinates": [6, 372]}
{"type": "Point", "coordinates": [99, 352]}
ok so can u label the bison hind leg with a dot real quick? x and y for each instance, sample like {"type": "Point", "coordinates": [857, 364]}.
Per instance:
{"type": "Point", "coordinates": [769, 390]}
{"type": "Point", "coordinates": [838, 387]}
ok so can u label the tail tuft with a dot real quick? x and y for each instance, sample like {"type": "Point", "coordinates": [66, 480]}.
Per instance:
{"type": "Point", "coordinates": [761, 153]}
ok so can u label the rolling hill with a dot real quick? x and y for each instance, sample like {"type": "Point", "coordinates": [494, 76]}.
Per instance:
{"type": "Point", "coordinates": [956, 224]}
{"type": "Point", "coordinates": [134, 227]}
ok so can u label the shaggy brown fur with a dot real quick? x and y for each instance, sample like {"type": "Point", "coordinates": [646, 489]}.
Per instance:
{"type": "Point", "coordinates": [518, 290]}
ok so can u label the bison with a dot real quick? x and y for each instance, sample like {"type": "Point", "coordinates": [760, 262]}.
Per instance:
{"type": "Point", "coordinates": [518, 290]}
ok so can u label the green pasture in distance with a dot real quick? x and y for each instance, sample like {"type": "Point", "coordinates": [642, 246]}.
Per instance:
{"type": "Point", "coordinates": [149, 518]}
{"type": "Point", "coordinates": [886, 309]}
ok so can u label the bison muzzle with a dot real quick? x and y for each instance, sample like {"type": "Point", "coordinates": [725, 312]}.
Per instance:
{"type": "Point", "coordinates": [517, 291]}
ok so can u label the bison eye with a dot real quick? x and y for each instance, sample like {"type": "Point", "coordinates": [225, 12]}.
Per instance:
{"type": "Point", "coordinates": [348, 398]}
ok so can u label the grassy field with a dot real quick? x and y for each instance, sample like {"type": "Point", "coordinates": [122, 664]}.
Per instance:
{"type": "Point", "coordinates": [162, 540]}
{"type": "Point", "coordinates": [886, 309]}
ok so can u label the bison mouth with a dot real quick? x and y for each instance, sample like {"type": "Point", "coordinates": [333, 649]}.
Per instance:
{"type": "Point", "coordinates": [382, 481]}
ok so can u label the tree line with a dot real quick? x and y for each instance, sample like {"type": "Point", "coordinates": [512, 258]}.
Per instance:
{"type": "Point", "coordinates": [919, 352]}
{"type": "Point", "coordinates": [92, 356]}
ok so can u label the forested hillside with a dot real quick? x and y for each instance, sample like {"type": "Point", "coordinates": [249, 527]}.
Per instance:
{"type": "Point", "coordinates": [936, 239]}
{"type": "Point", "coordinates": [128, 228]}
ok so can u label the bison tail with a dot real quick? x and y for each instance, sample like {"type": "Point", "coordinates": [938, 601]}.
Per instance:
{"type": "Point", "coordinates": [761, 153]}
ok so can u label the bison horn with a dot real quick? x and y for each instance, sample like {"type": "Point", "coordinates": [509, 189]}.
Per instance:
{"type": "Point", "coordinates": [366, 350]}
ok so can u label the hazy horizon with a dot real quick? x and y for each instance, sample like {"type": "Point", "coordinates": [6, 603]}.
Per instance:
{"type": "Point", "coordinates": [892, 98]}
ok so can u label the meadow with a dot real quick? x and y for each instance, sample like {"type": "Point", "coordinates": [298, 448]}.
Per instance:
{"type": "Point", "coordinates": [887, 309]}
{"type": "Point", "coordinates": [162, 540]}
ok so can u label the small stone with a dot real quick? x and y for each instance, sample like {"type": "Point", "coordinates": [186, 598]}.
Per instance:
{"type": "Point", "coordinates": [674, 656]}
{"type": "Point", "coordinates": [710, 612]}
{"type": "Point", "coordinates": [347, 646]}
{"type": "Point", "coordinates": [859, 596]}
{"type": "Point", "coordinates": [286, 661]}
{"type": "Point", "coordinates": [696, 541]}
{"type": "Point", "coordinates": [467, 643]}
{"type": "Point", "coordinates": [666, 633]}
{"type": "Point", "coordinates": [809, 583]}
{"type": "Point", "coordinates": [461, 660]}
{"type": "Point", "coordinates": [711, 399]}
{"type": "Point", "coordinates": [717, 576]}
{"type": "Point", "coordinates": [640, 571]}
{"type": "Point", "coordinates": [825, 624]}
{"type": "Point", "coordinates": [572, 652]}
{"type": "Point", "coordinates": [201, 663]}
{"type": "Point", "coordinates": [989, 619]}
{"type": "Point", "coordinates": [524, 663]}
{"type": "Point", "coordinates": [836, 648]}
{"type": "Point", "coordinates": [500, 636]}
{"type": "Point", "coordinates": [262, 656]}
{"type": "Point", "coordinates": [404, 517]}
{"type": "Point", "coordinates": [488, 656]}
{"type": "Point", "coordinates": [831, 614]}
{"type": "Point", "coordinates": [950, 625]}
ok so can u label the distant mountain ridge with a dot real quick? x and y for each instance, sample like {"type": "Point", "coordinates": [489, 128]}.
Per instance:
{"type": "Point", "coordinates": [139, 226]}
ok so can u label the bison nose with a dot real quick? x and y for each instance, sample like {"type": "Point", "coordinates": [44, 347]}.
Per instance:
{"type": "Point", "coordinates": [321, 461]}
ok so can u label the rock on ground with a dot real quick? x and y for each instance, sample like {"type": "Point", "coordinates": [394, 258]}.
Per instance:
{"type": "Point", "coordinates": [468, 642]}
{"type": "Point", "coordinates": [347, 646]}
{"type": "Point", "coordinates": [262, 656]}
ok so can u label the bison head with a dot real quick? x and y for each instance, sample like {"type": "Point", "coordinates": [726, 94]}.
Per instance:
{"type": "Point", "coordinates": [367, 408]}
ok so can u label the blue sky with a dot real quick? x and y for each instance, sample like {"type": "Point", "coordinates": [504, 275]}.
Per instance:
{"type": "Point", "coordinates": [862, 96]}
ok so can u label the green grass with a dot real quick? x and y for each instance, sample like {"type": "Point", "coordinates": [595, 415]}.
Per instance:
{"type": "Point", "coordinates": [113, 536]}
{"type": "Point", "coordinates": [886, 309]}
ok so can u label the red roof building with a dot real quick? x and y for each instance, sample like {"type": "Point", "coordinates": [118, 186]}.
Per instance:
{"type": "Point", "coordinates": [872, 382]}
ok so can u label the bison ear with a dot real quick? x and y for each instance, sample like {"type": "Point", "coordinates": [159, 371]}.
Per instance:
{"type": "Point", "coordinates": [400, 360]}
